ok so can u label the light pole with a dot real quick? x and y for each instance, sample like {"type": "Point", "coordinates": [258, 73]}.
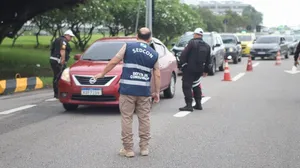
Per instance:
{"type": "Point", "coordinates": [149, 14]}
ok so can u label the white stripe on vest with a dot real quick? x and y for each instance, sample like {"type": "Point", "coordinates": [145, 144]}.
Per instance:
{"type": "Point", "coordinates": [134, 82]}
{"type": "Point", "coordinates": [140, 67]}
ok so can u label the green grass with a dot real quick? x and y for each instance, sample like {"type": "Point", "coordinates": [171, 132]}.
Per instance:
{"type": "Point", "coordinates": [29, 61]}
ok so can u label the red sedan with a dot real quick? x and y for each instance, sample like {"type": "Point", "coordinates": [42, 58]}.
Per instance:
{"type": "Point", "coordinates": [78, 87]}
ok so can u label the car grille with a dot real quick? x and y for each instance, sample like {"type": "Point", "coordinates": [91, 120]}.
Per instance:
{"type": "Point", "coordinates": [85, 80]}
{"type": "Point", "coordinates": [263, 50]}
{"type": "Point", "coordinates": [93, 98]}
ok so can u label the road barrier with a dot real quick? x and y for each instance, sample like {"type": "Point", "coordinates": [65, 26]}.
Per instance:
{"type": "Point", "coordinates": [20, 84]}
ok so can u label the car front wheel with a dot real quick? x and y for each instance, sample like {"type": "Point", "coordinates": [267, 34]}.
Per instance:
{"type": "Point", "coordinates": [70, 107]}
{"type": "Point", "coordinates": [170, 91]}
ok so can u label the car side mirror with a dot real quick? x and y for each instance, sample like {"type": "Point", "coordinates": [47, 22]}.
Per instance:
{"type": "Point", "coordinates": [77, 57]}
{"type": "Point", "coordinates": [173, 44]}
{"type": "Point", "coordinates": [218, 45]}
{"type": "Point", "coordinates": [239, 42]}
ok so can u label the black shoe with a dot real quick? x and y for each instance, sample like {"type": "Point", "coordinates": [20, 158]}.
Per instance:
{"type": "Point", "coordinates": [198, 105]}
{"type": "Point", "coordinates": [188, 107]}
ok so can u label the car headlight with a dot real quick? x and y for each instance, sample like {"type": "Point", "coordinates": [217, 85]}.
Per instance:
{"type": "Point", "coordinates": [66, 75]}
{"type": "Point", "coordinates": [249, 45]}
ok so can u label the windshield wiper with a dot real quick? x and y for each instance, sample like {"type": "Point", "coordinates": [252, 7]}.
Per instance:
{"type": "Point", "coordinates": [88, 59]}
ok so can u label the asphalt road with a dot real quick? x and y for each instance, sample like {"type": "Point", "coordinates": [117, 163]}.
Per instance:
{"type": "Point", "coordinates": [253, 121]}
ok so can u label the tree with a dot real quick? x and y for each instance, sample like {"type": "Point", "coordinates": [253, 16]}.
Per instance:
{"type": "Point", "coordinates": [173, 20]}
{"type": "Point", "coordinates": [13, 17]}
{"type": "Point", "coordinates": [235, 21]}
{"type": "Point", "coordinates": [20, 33]}
{"type": "Point", "coordinates": [83, 20]}
{"type": "Point", "coordinates": [213, 22]}
{"type": "Point", "coordinates": [252, 16]}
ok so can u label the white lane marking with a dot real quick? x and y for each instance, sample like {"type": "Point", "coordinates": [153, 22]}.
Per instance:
{"type": "Point", "coordinates": [16, 109]}
{"type": "Point", "coordinates": [238, 76]}
{"type": "Point", "coordinates": [184, 113]}
{"type": "Point", "coordinates": [48, 100]}
{"type": "Point", "coordinates": [256, 64]}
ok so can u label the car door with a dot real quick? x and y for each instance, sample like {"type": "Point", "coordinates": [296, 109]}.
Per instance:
{"type": "Point", "coordinates": [238, 45]}
{"type": "Point", "coordinates": [163, 64]}
{"type": "Point", "coordinates": [221, 51]}
{"type": "Point", "coordinates": [283, 46]}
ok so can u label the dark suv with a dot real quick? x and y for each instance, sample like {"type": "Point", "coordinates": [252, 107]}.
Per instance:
{"type": "Point", "coordinates": [233, 47]}
{"type": "Point", "coordinates": [211, 38]}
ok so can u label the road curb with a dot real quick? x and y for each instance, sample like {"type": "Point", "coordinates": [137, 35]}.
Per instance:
{"type": "Point", "coordinates": [20, 85]}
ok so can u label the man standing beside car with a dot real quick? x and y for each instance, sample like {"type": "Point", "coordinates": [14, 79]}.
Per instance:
{"type": "Point", "coordinates": [195, 62]}
{"type": "Point", "coordinates": [135, 90]}
{"type": "Point", "coordinates": [296, 56]}
{"type": "Point", "coordinates": [60, 54]}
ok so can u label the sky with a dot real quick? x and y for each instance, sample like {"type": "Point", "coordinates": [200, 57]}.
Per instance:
{"type": "Point", "coordinates": [279, 12]}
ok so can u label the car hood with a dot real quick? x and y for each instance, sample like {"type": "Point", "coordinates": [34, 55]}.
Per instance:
{"type": "Point", "coordinates": [265, 46]}
{"type": "Point", "coordinates": [229, 45]}
{"type": "Point", "coordinates": [93, 67]}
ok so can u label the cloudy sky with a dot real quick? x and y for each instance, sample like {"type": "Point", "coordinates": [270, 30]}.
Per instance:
{"type": "Point", "coordinates": [279, 12]}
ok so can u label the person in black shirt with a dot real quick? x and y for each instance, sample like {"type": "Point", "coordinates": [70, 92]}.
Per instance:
{"type": "Point", "coordinates": [60, 54]}
{"type": "Point", "coordinates": [296, 56]}
{"type": "Point", "coordinates": [195, 61]}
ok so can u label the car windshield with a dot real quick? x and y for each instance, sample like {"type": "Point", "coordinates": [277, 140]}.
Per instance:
{"type": "Point", "coordinates": [244, 37]}
{"type": "Point", "coordinates": [289, 38]}
{"type": "Point", "coordinates": [183, 41]}
{"type": "Point", "coordinates": [267, 40]}
{"type": "Point", "coordinates": [102, 51]}
{"type": "Point", "coordinates": [228, 39]}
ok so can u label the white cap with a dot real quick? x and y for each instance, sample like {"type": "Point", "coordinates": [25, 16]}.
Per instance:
{"type": "Point", "coordinates": [198, 31]}
{"type": "Point", "coordinates": [69, 32]}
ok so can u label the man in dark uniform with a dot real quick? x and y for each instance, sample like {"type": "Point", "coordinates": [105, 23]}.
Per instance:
{"type": "Point", "coordinates": [195, 62]}
{"type": "Point", "coordinates": [135, 88]}
{"type": "Point", "coordinates": [60, 54]}
{"type": "Point", "coordinates": [296, 56]}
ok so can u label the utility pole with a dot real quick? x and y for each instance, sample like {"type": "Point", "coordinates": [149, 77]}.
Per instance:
{"type": "Point", "coordinates": [138, 16]}
{"type": "Point", "coordinates": [149, 14]}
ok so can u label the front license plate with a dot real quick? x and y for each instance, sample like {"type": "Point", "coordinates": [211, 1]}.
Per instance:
{"type": "Point", "coordinates": [91, 91]}
{"type": "Point", "coordinates": [261, 53]}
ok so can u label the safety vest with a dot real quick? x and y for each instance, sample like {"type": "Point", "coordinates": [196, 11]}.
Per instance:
{"type": "Point", "coordinates": [138, 61]}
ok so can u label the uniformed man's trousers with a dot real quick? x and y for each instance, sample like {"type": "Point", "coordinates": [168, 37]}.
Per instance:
{"type": "Point", "coordinates": [141, 106]}
{"type": "Point", "coordinates": [57, 71]}
{"type": "Point", "coordinates": [191, 81]}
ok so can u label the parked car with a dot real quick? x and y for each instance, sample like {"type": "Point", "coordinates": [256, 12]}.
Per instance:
{"type": "Point", "coordinates": [268, 46]}
{"type": "Point", "coordinates": [217, 49]}
{"type": "Point", "coordinates": [233, 47]}
{"type": "Point", "coordinates": [247, 40]}
{"type": "Point", "coordinates": [292, 43]}
{"type": "Point", "coordinates": [78, 87]}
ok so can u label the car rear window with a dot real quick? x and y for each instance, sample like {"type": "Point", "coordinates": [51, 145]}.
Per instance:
{"type": "Point", "coordinates": [244, 37]}
{"type": "Point", "coordinates": [228, 39]}
{"type": "Point", "coordinates": [267, 40]}
{"type": "Point", "coordinates": [102, 50]}
{"type": "Point", "coordinates": [184, 40]}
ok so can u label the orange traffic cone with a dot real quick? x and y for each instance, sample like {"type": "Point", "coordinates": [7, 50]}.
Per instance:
{"type": "Point", "coordinates": [278, 59]}
{"type": "Point", "coordinates": [226, 72]}
{"type": "Point", "coordinates": [249, 64]}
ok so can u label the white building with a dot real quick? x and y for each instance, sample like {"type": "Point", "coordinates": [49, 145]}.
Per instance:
{"type": "Point", "coordinates": [220, 7]}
